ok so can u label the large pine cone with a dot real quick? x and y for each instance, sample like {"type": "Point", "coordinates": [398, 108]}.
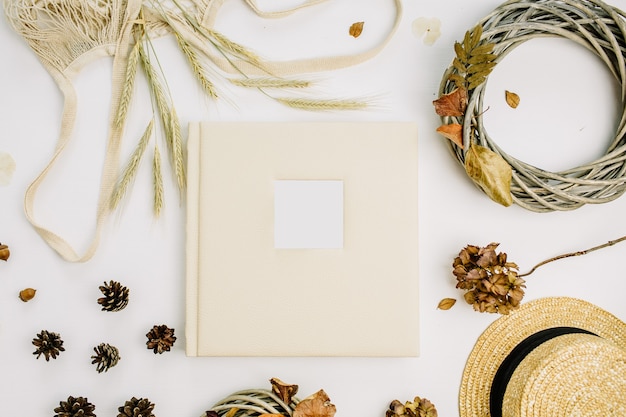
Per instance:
{"type": "Point", "coordinates": [75, 407]}
{"type": "Point", "coordinates": [115, 296]}
{"type": "Point", "coordinates": [136, 407]}
{"type": "Point", "coordinates": [48, 344]}
{"type": "Point", "coordinates": [106, 357]}
{"type": "Point", "coordinates": [160, 338]}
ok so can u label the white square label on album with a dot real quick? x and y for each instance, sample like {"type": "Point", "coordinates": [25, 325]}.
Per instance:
{"type": "Point", "coordinates": [308, 214]}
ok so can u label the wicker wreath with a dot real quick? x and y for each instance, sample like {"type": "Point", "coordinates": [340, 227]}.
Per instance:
{"type": "Point", "coordinates": [591, 23]}
{"type": "Point", "coordinates": [254, 402]}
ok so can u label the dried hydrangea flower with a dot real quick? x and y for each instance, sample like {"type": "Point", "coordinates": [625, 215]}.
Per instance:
{"type": "Point", "coordinates": [427, 27]}
{"type": "Point", "coordinates": [492, 284]}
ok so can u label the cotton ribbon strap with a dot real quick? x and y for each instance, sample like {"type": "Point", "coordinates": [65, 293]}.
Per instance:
{"type": "Point", "coordinates": [120, 50]}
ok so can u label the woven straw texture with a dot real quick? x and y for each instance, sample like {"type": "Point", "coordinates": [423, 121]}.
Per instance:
{"type": "Point", "coordinates": [503, 335]}
{"type": "Point", "coordinates": [254, 402]}
{"type": "Point", "coordinates": [570, 375]}
{"type": "Point", "coordinates": [590, 23]}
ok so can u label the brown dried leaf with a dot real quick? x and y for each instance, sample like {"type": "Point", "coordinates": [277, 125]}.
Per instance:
{"type": "Point", "coordinates": [284, 391]}
{"type": "Point", "coordinates": [316, 405]}
{"type": "Point", "coordinates": [446, 304]}
{"type": "Point", "coordinates": [356, 29]}
{"type": "Point", "coordinates": [490, 172]}
{"type": "Point", "coordinates": [452, 104]}
{"type": "Point", "coordinates": [452, 131]}
{"type": "Point", "coordinates": [5, 253]}
{"type": "Point", "coordinates": [512, 99]}
{"type": "Point", "coordinates": [27, 294]}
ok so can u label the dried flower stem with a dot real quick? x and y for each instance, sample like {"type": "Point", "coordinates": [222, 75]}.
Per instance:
{"type": "Point", "coordinates": [196, 66]}
{"type": "Point", "coordinates": [129, 83]}
{"type": "Point", "coordinates": [322, 105]}
{"type": "Point", "coordinates": [572, 254]}
{"type": "Point", "coordinates": [269, 83]}
{"type": "Point", "coordinates": [131, 169]}
{"type": "Point", "coordinates": [158, 182]}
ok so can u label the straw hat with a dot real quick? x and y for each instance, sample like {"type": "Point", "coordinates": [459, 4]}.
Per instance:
{"type": "Point", "coordinates": [551, 357]}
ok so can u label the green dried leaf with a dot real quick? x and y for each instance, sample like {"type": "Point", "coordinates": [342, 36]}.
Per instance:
{"type": "Point", "coordinates": [490, 172]}
{"type": "Point", "coordinates": [485, 48]}
{"type": "Point", "coordinates": [478, 59]}
{"type": "Point", "coordinates": [481, 67]}
{"type": "Point", "coordinates": [477, 32]}
{"type": "Point", "coordinates": [458, 80]}
{"type": "Point", "coordinates": [460, 67]}
{"type": "Point", "coordinates": [460, 52]}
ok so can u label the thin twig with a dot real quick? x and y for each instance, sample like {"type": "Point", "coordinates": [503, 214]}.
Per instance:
{"type": "Point", "coordinates": [571, 254]}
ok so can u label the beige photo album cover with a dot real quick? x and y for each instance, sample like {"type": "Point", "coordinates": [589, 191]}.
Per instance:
{"type": "Point", "coordinates": [302, 239]}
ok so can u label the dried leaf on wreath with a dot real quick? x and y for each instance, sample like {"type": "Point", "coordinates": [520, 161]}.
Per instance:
{"type": "Point", "coordinates": [474, 61]}
{"type": "Point", "coordinates": [316, 405]}
{"type": "Point", "coordinates": [512, 99]}
{"type": "Point", "coordinates": [446, 304]}
{"type": "Point", "coordinates": [452, 104]}
{"type": "Point", "coordinates": [452, 131]}
{"type": "Point", "coordinates": [284, 391]}
{"type": "Point", "coordinates": [356, 29]}
{"type": "Point", "coordinates": [490, 172]}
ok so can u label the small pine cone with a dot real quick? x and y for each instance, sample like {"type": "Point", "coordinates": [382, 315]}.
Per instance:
{"type": "Point", "coordinates": [136, 407]}
{"type": "Point", "coordinates": [115, 296]}
{"type": "Point", "coordinates": [160, 338]}
{"type": "Point", "coordinates": [48, 344]}
{"type": "Point", "coordinates": [75, 407]}
{"type": "Point", "coordinates": [106, 357]}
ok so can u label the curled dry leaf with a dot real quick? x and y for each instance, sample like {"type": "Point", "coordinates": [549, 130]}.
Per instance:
{"type": "Point", "coordinates": [284, 391]}
{"type": "Point", "coordinates": [453, 131]}
{"type": "Point", "coordinates": [27, 294]}
{"type": "Point", "coordinates": [512, 99]}
{"type": "Point", "coordinates": [316, 405]}
{"type": "Point", "coordinates": [356, 29]}
{"type": "Point", "coordinates": [446, 304]}
{"type": "Point", "coordinates": [490, 172]}
{"type": "Point", "coordinates": [452, 104]}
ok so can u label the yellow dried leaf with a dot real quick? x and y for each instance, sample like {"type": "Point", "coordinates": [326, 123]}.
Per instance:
{"type": "Point", "coordinates": [490, 172]}
{"type": "Point", "coordinates": [512, 99]}
{"type": "Point", "coordinates": [452, 131]}
{"type": "Point", "coordinates": [232, 412]}
{"type": "Point", "coordinates": [446, 304]}
{"type": "Point", "coordinates": [452, 104]}
{"type": "Point", "coordinates": [356, 29]}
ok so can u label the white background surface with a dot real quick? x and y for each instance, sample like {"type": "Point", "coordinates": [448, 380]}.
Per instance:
{"type": "Point", "coordinates": [568, 110]}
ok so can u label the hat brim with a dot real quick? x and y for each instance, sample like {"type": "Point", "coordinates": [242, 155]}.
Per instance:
{"type": "Point", "coordinates": [503, 335]}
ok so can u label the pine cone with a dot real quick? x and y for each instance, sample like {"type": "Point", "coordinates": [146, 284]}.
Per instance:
{"type": "Point", "coordinates": [160, 338]}
{"type": "Point", "coordinates": [491, 283]}
{"type": "Point", "coordinates": [75, 407]}
{"type": "Point", "coordinates": [115, 296]}
{"type": "Point", "coordinates": [420, 407]}
{"type": "Point", "coordinates": [134, 407]}
{"type": "Point", "coordinates": [48, 344]}
{"type": "Point", "coordinates": [106, 357]}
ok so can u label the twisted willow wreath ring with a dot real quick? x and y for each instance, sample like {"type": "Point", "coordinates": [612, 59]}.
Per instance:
{"type": "Point", "coordinates": [591, 23]}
